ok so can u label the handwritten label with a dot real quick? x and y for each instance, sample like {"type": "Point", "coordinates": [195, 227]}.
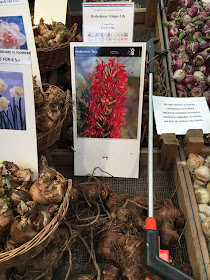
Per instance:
{"type": "Point", "coordinates": [10, 56]}
{"type": "Point", "coordinates": [177, 115]}
{"type": "Point", "coordinates": [10, 2]}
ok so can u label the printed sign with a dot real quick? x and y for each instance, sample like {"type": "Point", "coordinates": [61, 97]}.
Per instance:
{"type": "Point", "coordinates": [107, 89]}
{"type": "Point", "coordinates": [177, 115]}
{"type": "Point", "coordinates": [16, 32]}
{"type": "Point", "coordinates": [11, 56]}
{"type": "Point", "coordinates": [108, 22]}
{"type": "Point", "coordinates": [17, 116]}
{"type": "Point", "coordinates": [50, 10]}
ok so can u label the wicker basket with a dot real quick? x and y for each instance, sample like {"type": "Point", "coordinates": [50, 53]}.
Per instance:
{"type": "Point", "coordinates": [34, 246]}
{"type": "Point", "coordinates": [46, 139]}
{"type": "Point", "coordinates": [53, 58]}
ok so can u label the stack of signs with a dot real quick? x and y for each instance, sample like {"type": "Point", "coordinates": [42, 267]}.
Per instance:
{"type": "Point", "coordinates": [17, 113]}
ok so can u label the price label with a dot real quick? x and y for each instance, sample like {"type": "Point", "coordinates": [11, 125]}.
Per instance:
{"type": "Point", "coordinates": [15, 57]}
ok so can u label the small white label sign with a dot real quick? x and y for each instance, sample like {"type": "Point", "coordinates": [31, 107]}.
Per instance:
{"type": "Point", "coordinates": [108, 22]}
{"type": "Point", "coordinates": [177, 115]}
{"type": "Point", "coordinates": [50, 10]}
{"type": "Point", "coordinates": [15, 56]}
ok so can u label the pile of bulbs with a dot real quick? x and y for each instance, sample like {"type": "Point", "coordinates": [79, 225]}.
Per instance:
{"type": "Point", "coordinates": [199, 168]}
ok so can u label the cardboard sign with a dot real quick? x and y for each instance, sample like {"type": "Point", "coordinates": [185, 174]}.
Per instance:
{"type": "Point", "coordinates": [50, 10]}
{"type": "Point", "coordinates": [17, 114]}
{"type": "Point", "coordinates": [107, 89]}
{"type": "Point", "coordinates": [16, 31]}
{"type": "Point", "coordinates": [108, 22]}
{"type": "Point", "coordinates": [177, 115]}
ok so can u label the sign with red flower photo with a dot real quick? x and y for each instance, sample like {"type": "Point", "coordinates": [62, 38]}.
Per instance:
{"type": "Point", "coordinates": [107, 89]}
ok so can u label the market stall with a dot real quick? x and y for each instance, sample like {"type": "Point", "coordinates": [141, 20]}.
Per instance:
{"type": "Point", "coordinates": [77, 92]}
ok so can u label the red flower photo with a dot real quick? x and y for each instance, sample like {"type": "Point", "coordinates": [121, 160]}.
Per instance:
{"type": "Point", "coordinates": [107, 100]}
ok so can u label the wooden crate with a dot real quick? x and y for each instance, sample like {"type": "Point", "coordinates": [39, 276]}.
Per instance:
{"type": "Point", "coordinates": [198, 251]}
{"type": "Point", "coordinates": [195, 241]}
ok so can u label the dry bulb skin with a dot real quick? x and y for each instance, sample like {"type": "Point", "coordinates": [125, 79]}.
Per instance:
{"type": "Point", "coordinates": [22, 230]}
{"type": "Point", "coordinates": [48, 105]}
{"type": "Point", "coordinates": [6, 216]}
{"type": "Point", "coordinates": [49, 188]}
{"type": "Point", "coordinates": [19, 177]}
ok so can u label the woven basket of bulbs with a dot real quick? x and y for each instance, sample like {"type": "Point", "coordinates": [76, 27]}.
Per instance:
{"type": "Point", "coordinates": [30, 211]}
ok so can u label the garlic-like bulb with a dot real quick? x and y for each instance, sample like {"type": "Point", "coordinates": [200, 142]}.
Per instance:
{"type": "Point", "coordinates": [206, 226]}
{"type": "Point", "coordinates": [208, 186]}
{"type": "Point", "coordinates": [202, 174]}
{"type": "Point", "coordinates": [204, 209]}
{"type": "Point", "coordinates": [194, 161]}
{"type": "Point", "coordinates": [207, 161]}
{"type": "Point", "coordinates": [46, 191]}
{"type": "Point", "coordinates": [6, 216]}
{"type": "Point", "coordinates": [202, 196]}
{"type": "Point", "coordinates": [22, 230]}
{"type": "Point", "coordinates": [197, 185]}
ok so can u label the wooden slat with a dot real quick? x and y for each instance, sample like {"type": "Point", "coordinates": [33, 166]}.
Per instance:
{"type": "Point", "coordinates": [169, 55]}
{"type": "Point", "coordinates": [203, 246]}
{"type": "Point", "coordinates": [160, 46]}
{"type": "Point", "coordinates": [139, 16]}
{"type": "Point", "coordinates": [191, 234]}
{"type": "Point", "coordinates": [151, 13]}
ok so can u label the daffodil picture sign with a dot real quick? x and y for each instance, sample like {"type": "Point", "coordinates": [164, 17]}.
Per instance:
{"type": "Point", "coordinates": [107, 91]}
{"type": "Point", "coordinates": [17, 113]}
{"type": "Point", "coordinates": [16, 30]}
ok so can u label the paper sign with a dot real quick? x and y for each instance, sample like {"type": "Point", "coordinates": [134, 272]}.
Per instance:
{"type": "Point", "coordinates": [8, 2]}
{"type": "Point", "coordinates": [107, 90]}
{"type": "Point", "coordinates": [16, 20]}
{"type": "Point", "coordinates": [108, 22]}
{"type": "Point", "coordinates": [11, 56]}
{"type": "Point", "coordinates": [50, 10]}
{"type": "Point", "coordinates": [17, 116]}
{"type": "Point", "coordinates": [177, 115]}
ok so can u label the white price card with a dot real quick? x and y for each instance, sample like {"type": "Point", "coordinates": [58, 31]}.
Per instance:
{"type": "Point", "coordinates": [50, 10]}
{"type": "Point", "coordinates": [177, 115]}
{"type": "Point", "coordinates": [108, 22]}
{"type": "Point", "coordinates": [11, 56]}
{"type": "Point", "coordinates": [16, 32]}
{"type": "Point", "coordinates": [107, 91]}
